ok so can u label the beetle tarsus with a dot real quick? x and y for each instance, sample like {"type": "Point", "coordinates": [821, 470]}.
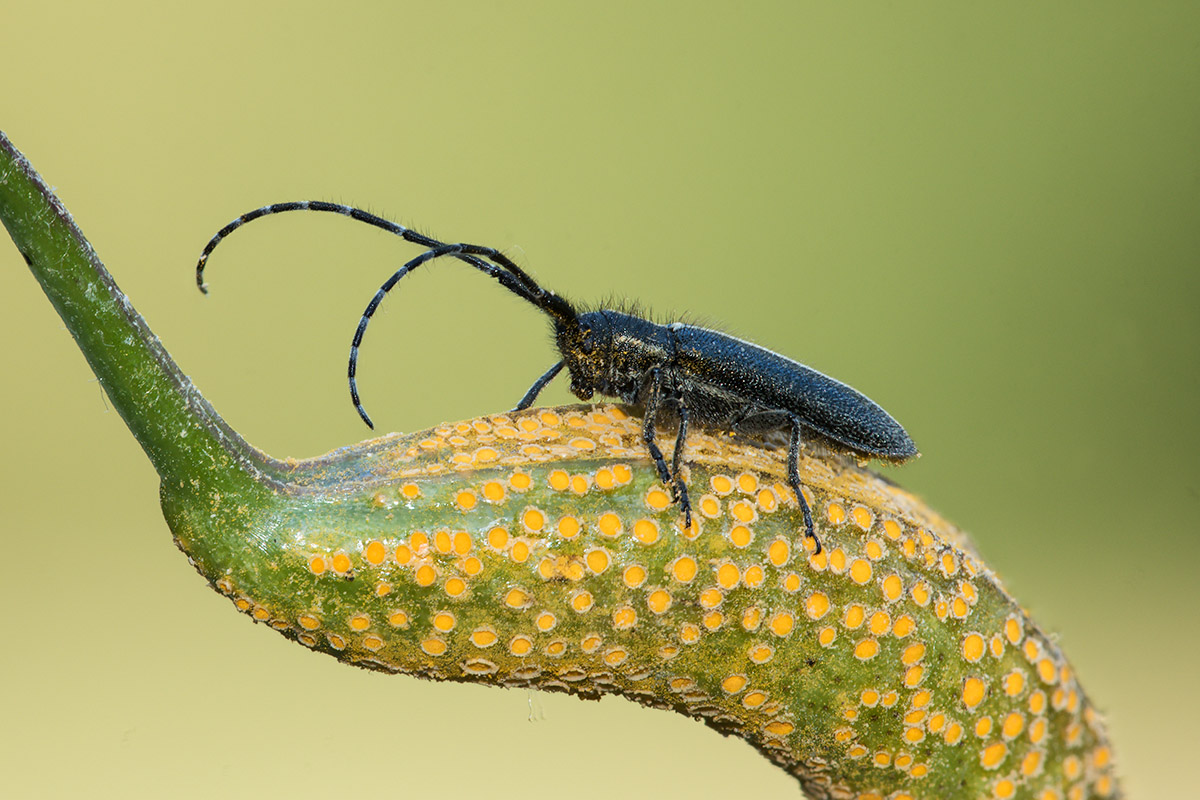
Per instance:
{"type": "Point", "coordinates": [794, 479]}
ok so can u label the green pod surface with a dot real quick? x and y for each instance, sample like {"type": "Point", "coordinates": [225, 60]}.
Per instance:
{"type": "Point", "coordinates": [537, 549]}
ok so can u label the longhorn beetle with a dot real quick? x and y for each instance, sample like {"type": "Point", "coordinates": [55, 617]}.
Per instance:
{"type": "Point", "coordinates": [697, 374]}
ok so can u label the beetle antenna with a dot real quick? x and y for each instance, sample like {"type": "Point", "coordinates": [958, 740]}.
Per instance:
{"type": "Point", "coordinates": [509, 275]}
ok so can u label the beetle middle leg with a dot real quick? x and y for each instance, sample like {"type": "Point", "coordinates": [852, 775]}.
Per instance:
{"type": "Point", "coordinates": [653, 404]}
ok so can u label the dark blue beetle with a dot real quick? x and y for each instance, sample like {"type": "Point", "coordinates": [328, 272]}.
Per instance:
{"type": "Point", "coordinates": [694, 374]}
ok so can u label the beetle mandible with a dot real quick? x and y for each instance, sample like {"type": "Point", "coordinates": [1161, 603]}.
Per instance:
{"type": "Point", "coordinates": [695, 374]}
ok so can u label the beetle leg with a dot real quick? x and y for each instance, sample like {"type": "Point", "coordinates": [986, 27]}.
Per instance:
{"type": "Point", "coordinates": [537, 387]}
{"type": "Point", "coordinates": [681, 492]}
{"type": "Point", "coordinates": [794, 479]}
{"type": "Point", "coordinates": [652, 403]}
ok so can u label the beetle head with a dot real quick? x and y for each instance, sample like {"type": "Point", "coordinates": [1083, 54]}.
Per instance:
{"type": "Point", "coordinates": [584, 347]}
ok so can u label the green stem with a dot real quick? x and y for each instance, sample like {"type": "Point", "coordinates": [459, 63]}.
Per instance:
{"type": "Point", "coordinates": [180, 432]}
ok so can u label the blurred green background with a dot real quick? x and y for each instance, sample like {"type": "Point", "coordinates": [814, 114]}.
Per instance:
{"type": "Point", "coordinates": [987, 219]}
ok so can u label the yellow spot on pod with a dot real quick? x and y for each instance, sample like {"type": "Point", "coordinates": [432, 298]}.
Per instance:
{"type": "Point", "coordinates": [826, 636]}
{"type": "Point", "coordinates": [382, 589]}
{"type": "Point", "coordinates": [892, 588]}
{"type": "Point", "coordinates": [403, 554]}
{"type": "Point", "coordinates": [689, 633]}
{"type": "Point", "coordinates": [782, 623]}
{"type": "Point", "coordinates": [728, 575]}
{"type": "Point", "coordinates": [546, 621]}
{"type": "Point", "coordinates": [973, 692]}
{"type": "Point", "coordinates": [645, 531]}
{"type": "Point", "coordinates": [732, 684]}
{"type": "Point", "coordinates": [555, 648]}
{"type": "Point", "coordinates": [880, 623]}
{"type": "Point", "coordinates": [624, 618]}
{"type": "Point", "coordinates": [610, 524]}
{"type": "Point", "coordinates": [605, 479]}
{"type": "Point", "coordinates": [520, 645]}
{"type": "Point", "coordinates": [972, 647]}
{"type": "Point", "coordinates": [1072, 767]}
{"type": "Point", "coordinates": [1014, 683]}
{"type": "Point", "coordinates": [1004, 789]}
{"type": "Point", "coordinates": [954, 734]}
{"type": "Point", "coordinates": [713, 620]}
{"type": "Point", "coordinates": [615, 656]}
{"type": "Point", "coordinates": [837, 560]}
{"type": "Point", "coordinates": [921, 594]}
{"type": "Point", "coordinates": [919, 770]}
{"type": "Point", "coordinates": [425, 575]}
{"type": "Point", "coordinates": [466, 500]}
{"type": "Point", "coordinates": [874, 550]}
{"type": "Point", "coordinates": [374, 553]}
{"type": "Point", "coordinates": [242, 604]}
{"type": "Point", "coordinates": [308, 622]}
{"type": "Point", "coordinates": [462, 543]}
{"type": "Point", "coordinates": [1032, 650]}
{"type": "Point", "coordinates": [767, 500]}
{"type": "Point", "coordinates": [360, 622]}
{"type": "Point", "coordinates": [860, 571]}
{"type": "Point", "coordinates": [372, 642]}
{"type": "Point", "coordinates": [791, 583]}
{"type": "Point", "coordinates": [597, 560]}
{"type": "Point", "coordinates": [1101, 757]}
{"type": "Point", "coordinates": [936, 723]}
{"type": "Point", "coordinates": [913, 654]}
{"type": "Point", "coordinates": [398, 619]}
{"type": "Point", "coordinates": [433, 646]}
{"type": "Point", "coordinates": [1037, 702]}
{"type": "Point", "coordinates": [754, 699]}
{"type": "Point", "coordinates": [442, 542]}
{"type": "Point", "coordinates": [517, 598]}
{"type": "Point", "coordinates": [484, 636]}
{"type": "Point", "coordinates": [1031, 764]}
{"type": "Point", "coordinates": [341, 562]}
{"type": "Point", "coordinates": [579, 484]}
{"type": "Point", "coordinates": [743, 511]}
{"type": "Point", "coordinates": [892, 529]}
{"type": "Point", "coordinates": [711, 598]}
{"type": "Point", "coordinates": [1012, 630]}
{"type": "Point", "coordinates": [519, 551]}
{"type": "Point", "coordinates": [856, 751]}
{"type": "Point", "coordinates": [623, 473]}
{"type": "Point", "coordinates": [740, 536]}
{"type": "Point", "coordinates": [921, 698]}
{"type": "Point", "coordinates": [869, 698]}
{"type": "Point", "coordinates": [419, 542]}
{"type": "Point", "coordinates": [854, 617]}
{"type": "Point", "coordinates": [997, 646]}
{"type": "Point", "coordinates": [778, 552]}
{"type": "Point", "coordinates": [882, 758]}
{"type": "Point", "coordinates": [657, 500]}
{"type": "Point", "coordinates": [865, 649]}
{"type": "Point", "coordinates": [520, 481]}
{"type": "Point", "coordinates": [836, 513]}
{"type": "Point", "coordinates": [659, 601]}
{"type": "Point", "coordinates": [582, 443]}
{"type": "Point", "coordinates": [410, 491]}
{"type": "Point", "coordinates": [818, 561]}
{"type": "Point", "coordinates": [949, 563]}
{"type": "Point", "coordinates": [1046, 670]}
{"type": "Point", "coordinates": [308, 640]}
{"type": "Point", "coordinates": [761, 653]}
{"type": "Point", "coordinates": [559, 480]}
{"type": "Point", "coordinates": [582, 601]}
{"type": "Point", "coordinates": [316, 565]}
{"type": "Point", "coordinates": [683, 569]}
{"type": "Point", "coordinates": [721, 484]}
{"type": "Point", "coordinates": [779, 728]}
{"type": "Point", "coordinates": [533, 519]}
{"type": "Point", "coordinates": [983, 726]}
{"type": "Point", "coordinates": [1012, 726]}
{"type": "Point", "coordinates": [914, 735]}
{"type": "Point", "coordinates": [335, 641]}
{"type": "Point", "coordinates": [710, 506]}
{"type": "Point", "coordinates": [904, 626]}
{"type": "Point", "coordinates": [497, 538]}
{"type": "Point", "coordinates": [634, 576]}
{"type": "Point", "coordinates": [862, 517]}
{"type": "Point", "coordinates": [993, 755]}
{"type": "Point", "coordinates": [817, 605]}
{"type": "Point", "coordinates": [959, 608]}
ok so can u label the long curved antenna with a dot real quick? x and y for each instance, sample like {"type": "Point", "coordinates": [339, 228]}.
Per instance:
{"type": "Point", "coordinates": [547, 301]}
{"type": "Point", "coordinates": [551, 303]}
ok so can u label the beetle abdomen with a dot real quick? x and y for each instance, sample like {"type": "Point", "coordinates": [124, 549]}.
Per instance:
{"type": "Point", "coordinates": [824, 405]}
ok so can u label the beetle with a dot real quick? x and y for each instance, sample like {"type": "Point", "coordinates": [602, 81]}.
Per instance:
{"type": "Point", "coordinates": [694, 374]}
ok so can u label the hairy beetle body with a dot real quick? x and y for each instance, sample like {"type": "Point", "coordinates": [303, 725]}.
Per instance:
{"type": "Point", "coordinates": [695, 374]}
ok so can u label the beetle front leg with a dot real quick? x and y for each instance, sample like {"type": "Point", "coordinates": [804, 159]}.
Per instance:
{"type": "Point", "coordinates": [794, 479]}
{"type": "Point", "coordinates": [652, 403]}
{"type": "Point", "coordinates": [537, 387]}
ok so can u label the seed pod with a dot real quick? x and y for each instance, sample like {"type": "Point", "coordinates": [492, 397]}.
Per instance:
{"type": "Point", "coordinates": [538, 549]}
